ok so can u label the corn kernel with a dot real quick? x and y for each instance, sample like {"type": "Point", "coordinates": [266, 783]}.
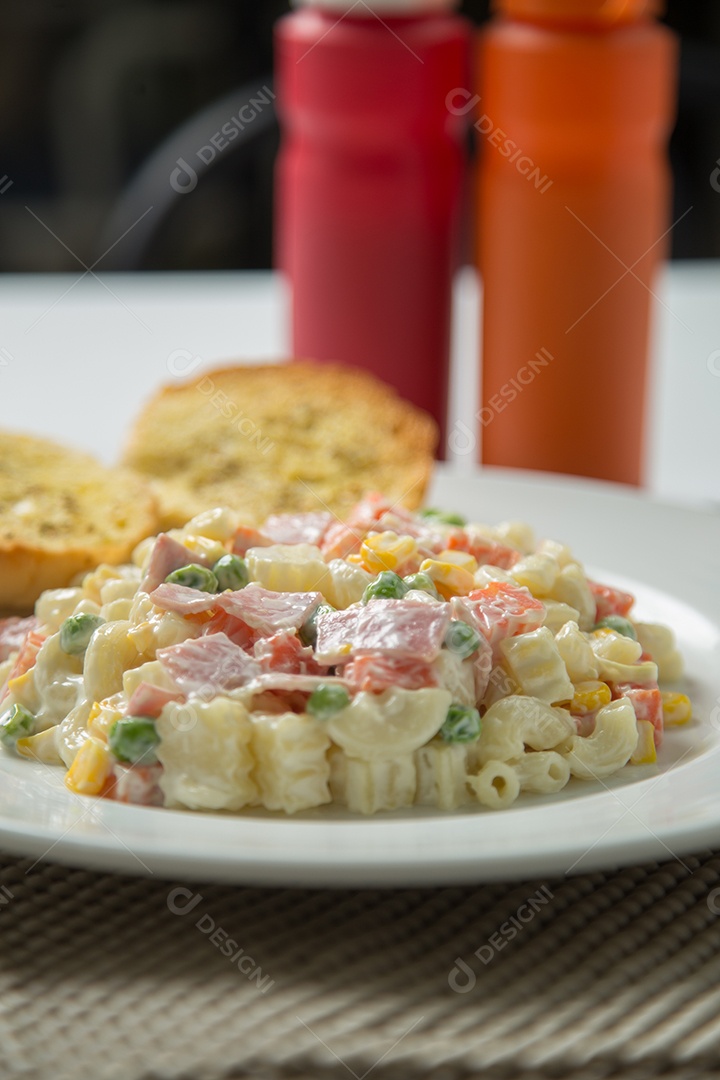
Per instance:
{"type": "Point", "coordinates": [199, 617]}
{"type": "Point", "coordinates": [355, 559]}
{"type": "Point", "coordinates": [450, 580]}
{"type": "Point", "coordinates": [212, 550]}
{"type": "Point", "coordinates": [589, 696]}
{"type": "Point", "coordinates": [676, 708]}
{"type": "Point", "coordinates": [90, 770]}
{"type": "Point", "coordinates": [460, 558]}
{"type": "Point", "coordinates": [645, 752]}
{"type": "Point", "coordinates": [94, 711]}
{"type": "Point", "coordinates": [386, 551]}
{"type": "Point", "coordinates": [103, 715]}
{"type": "Point", "coordinates": [21, 681]}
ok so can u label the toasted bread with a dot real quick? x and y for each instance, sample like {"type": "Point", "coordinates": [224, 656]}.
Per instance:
{"type": "Point", "coordinates": [62, 512]}
{"type": "Point", "coordinates": [280, 437]}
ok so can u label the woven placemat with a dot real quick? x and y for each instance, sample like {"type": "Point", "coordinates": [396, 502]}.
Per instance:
{"type": "Point", "coordinates": [119, 978]}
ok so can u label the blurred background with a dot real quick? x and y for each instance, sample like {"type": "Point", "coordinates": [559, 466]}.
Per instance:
{"type": "Point", "coordinates": [100, 98]}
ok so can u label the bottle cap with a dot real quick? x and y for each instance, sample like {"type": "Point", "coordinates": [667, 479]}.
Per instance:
{"type": "Point", "coordinates": [372, 8]}
{"type": "Point", "coordinates": [596, 12]}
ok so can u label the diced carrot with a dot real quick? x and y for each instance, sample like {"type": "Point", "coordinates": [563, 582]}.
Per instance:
{"type": "Point", "coordinates": [610, 601]}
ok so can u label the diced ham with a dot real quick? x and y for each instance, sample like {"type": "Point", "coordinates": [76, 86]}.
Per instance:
{"type": "Point", "coordinates": [398, 628]}
{"type": "Point", "coordinates": [222, 622]}
{"type": "Point", "coordinates": [24, 660]}
{"type": "Point", "coordinates": [284, 652]}
{"type": "Point", "coordinates": [375, 673]}
{"type": "Point", "coordinates": [13, 632]}
{"type": "Point", "coordinates": [647, 703]}
{"type": "Point", "coordinates": [499, 610]}
{"type": "Point", "coordinates": [167, 555]}
{"type": "Point", "coordinates": [369, 510]}
{"type": "Point", "coordinates": [306, 528]}
{"type": "Point", "coordinates": [182, 599]}
{"type": "Point", "coordinates": [400, 521]}
{"type": "Point", "coordinates": [149, 700]}
{"type": "Point", "coordinates": [208, 665]}
{"type": "Point", "coordinates": [137, 784]}
{"type": "Point", "coordinates": [268, 611]}
{"type": "Point", "coordinates": [246, 537]}
{"type": "Point", "coordinates": [486, 552]}
{"type": "Point", "coordinates": [585, 725]}
{"type": "Point", "coordinates": [341, 540]}
{"type": "Point", "coordinates": [610, 601]}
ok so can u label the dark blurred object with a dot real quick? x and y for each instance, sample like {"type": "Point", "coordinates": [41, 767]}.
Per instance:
{"type": "Point", "coordinates": [90, 90]}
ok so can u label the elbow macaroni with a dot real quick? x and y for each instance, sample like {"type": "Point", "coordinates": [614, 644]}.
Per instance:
{"type": "Point", "coordinates": [610, 746]}
{"type": "Point", "coordinates": [516, 723]}
{"type": "Point", "coordinates": [545, 695]}
{"type": "Point", "coordinates": [536, 664]}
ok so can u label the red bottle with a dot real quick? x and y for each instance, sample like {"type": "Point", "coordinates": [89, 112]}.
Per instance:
{"type": "Point", "coordinates": [369, 185]}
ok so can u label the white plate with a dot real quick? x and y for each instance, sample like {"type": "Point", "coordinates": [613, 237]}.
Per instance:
{"type": "Point", "coordinates": [668, 557]}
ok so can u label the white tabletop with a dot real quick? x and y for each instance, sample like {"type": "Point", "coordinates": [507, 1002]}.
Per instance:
{"type": "Point", "coordinates": [78, 356]}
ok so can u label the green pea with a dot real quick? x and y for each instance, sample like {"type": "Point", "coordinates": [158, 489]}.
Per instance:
{"type": "Point", "coordinates": [15, 724]}
{"type": "Point", "coordinates": [308, 631]}
{"type": "Point", "coordinates": [133, 739]}
{"type": "Point", "coordinates": [618, 624]}
{"type": "Point", "coordinates": [443, 517]}
{"type": "Point", "coordinates": [462, 639]}
{"type": "Point", "coordinates": [231, 572]}
{"type": "Point", "coordinates": [422, 582]}
{"type": "Point", "coordinates": [326, 700]}
{"type": "Point", "coordinates": [462, 724]}
{"type": "Point", "coordinates": [194, 576]}
{"type": "Point", "coordinates": [76, 631]}
{"type": "Point", "coordinates": [387, 586]}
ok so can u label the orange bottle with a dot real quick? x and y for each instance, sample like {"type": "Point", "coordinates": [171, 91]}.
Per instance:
{"type": "Point", "coordinates": [575, 107]}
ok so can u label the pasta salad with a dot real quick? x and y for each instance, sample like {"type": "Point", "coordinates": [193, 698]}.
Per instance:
{"type": "Point", "coordinates": [391, 660]}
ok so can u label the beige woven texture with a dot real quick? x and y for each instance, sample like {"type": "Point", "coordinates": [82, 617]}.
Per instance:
{"type": "Point", "coordinates": [614, 974]}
